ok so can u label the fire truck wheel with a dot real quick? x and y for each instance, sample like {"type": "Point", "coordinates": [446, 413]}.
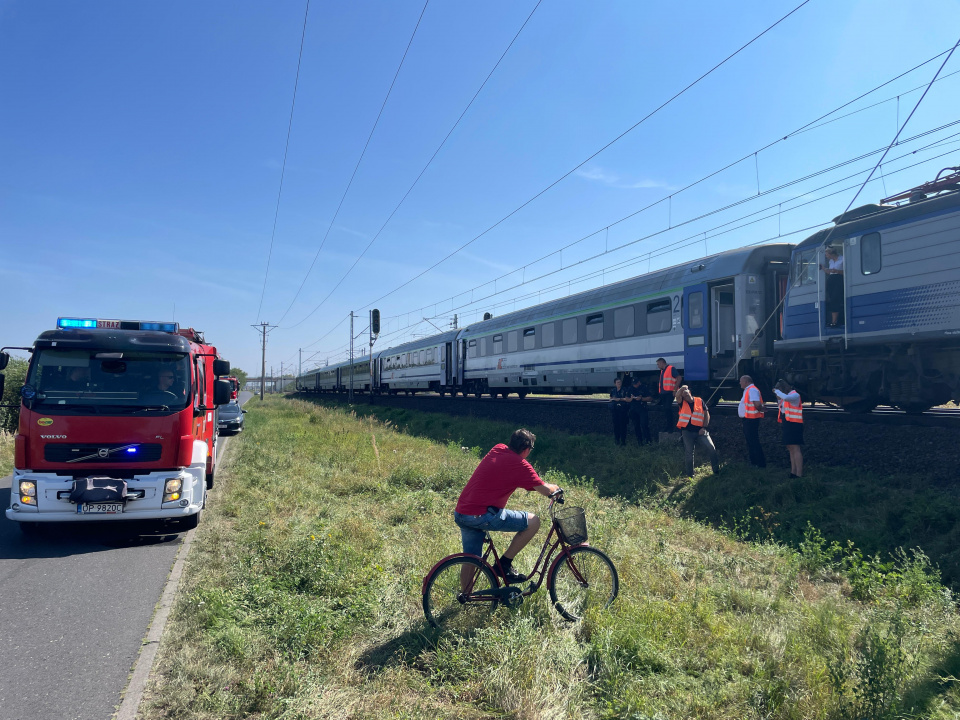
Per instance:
{"type": "Point", "coordinates": [191, 522]}
{"type": "Point", "coordinates": [210, 481]}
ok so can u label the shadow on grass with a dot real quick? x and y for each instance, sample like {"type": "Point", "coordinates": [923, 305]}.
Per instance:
{"type": "Point", "coordinates": [919, 698]}
{"type": "Point", "coordinates": [404, 649]}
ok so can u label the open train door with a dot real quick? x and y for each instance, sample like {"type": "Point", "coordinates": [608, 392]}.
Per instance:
{"type": "Point", "coordinates": [446, 364]}
{"type": "Point", "coordinates": [696, 335]}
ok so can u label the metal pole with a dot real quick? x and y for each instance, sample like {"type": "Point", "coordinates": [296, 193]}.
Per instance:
{"type": "Point", "coordinates": [350, 394]}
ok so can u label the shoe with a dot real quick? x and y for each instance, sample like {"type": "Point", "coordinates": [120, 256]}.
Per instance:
{"type": "Point", "coordinates": [792, 475]}
{"type": "Point", "coordinates": [512, 577]}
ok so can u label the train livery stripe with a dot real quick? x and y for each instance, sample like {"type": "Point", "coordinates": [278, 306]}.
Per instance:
{"type": "Point", "coordinates": [539, 366]}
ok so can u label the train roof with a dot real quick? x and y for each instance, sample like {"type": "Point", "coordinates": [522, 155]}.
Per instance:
{"type": "Point", "coordinates": [713, 267]}
{"type": "Point", "coordinates": [868, 218]}
{"type": "Point", "coordinates": [419, 343]}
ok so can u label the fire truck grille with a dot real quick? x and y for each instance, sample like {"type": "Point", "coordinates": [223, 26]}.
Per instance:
{"type": "Point", "coordinates": [103, 453]}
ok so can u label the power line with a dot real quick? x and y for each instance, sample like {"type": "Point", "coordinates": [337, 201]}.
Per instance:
{"type": "Point", "coordinates": [598, 152]}
{"type": "Point", "coordinates": [357, 166]}
{"type": "Point", "coordinates": [413, 185]}
{"type": "Point", "coordinates": [283, 169]}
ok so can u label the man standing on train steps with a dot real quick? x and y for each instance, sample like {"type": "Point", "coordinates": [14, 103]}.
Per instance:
{"type": "Point", "coordinates": [751, 412]}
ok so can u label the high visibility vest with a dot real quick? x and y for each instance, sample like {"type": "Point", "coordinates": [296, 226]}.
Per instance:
{"type": "Point", "coordinates": [750, 412]}
{"type": "Point", "coordinates": [668, 383]}
{"type": "Point", "coordinates": [688, 417]}
{"type": "Point", "coordinates": [793, 413]}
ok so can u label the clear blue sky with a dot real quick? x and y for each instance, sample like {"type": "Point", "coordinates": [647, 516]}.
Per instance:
{"type": "Point", "coordinates": [141, 146]}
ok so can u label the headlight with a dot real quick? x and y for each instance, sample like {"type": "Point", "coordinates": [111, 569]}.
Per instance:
{"type": "Point", "coordinates": [28, 488]}
{"type": "Point", "coordinates": [171, 489]}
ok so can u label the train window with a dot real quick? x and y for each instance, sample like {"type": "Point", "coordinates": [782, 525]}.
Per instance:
{"type": "Point", "coordinates": [659, 316]}
{"type": "Point", "coordinates": [472, 349]}
{"type": "Point", "coordinates": [512, 341]}
{"type": "Point", "coordinates": [482, 347]}
{"type": "Point", "coordinates": [547, 332]}
{"type": "Point", "coordinates": [594, 327]}
{"type": "Point", "coordinates": [569, 331]}
{"type": "Point", "coordinates": [529, 338]}
{"type": "Point", "coordinates": [497, 344]}
{"type": "Point", "coordinates": [805, 267]}
{"type": "Point", "coordinates": [696, 309]}
{"type": "Point", "coordinates": [423, 357]}
{"type": "Point", "coordinates": [623, 322]}
{"type": "Point", "coordinates": [870, 261]}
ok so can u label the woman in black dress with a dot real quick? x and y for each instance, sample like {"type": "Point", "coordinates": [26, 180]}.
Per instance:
{"type": "Point", "coordinates": [834, 274]}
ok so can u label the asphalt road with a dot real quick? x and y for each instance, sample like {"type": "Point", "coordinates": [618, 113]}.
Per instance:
{"type": "Point", "coordinates": [75, 605]}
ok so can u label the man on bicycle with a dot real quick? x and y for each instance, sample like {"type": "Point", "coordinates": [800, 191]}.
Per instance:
{"type": "Point", "coordinates": [482, 502]}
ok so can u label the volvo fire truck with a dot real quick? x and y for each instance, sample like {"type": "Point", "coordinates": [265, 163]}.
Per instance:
{"type": "Point", "coordinates": [118, 423]}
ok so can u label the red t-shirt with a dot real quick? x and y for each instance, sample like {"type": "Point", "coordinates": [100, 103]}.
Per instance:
{"type": "Point", "coordinates": [499, 473]}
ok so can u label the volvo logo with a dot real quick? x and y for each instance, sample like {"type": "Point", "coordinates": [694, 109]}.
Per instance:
{"type": "Point", "coordinates": [103, 452]}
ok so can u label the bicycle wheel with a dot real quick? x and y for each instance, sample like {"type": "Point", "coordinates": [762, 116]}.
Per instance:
{"type": "Point", "coordinates": [447, 607]}
{"type": "Point", "coordinates": [583, 579]}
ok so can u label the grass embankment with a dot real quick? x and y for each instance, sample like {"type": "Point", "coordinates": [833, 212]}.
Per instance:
{"type": "Point", "coordinates": [302, 600]}
{"type": "Point", "coordinates": [6, 454]}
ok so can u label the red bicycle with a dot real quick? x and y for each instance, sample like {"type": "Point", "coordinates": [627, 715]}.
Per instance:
{"type": "Point", "coordinates": [461, 591]}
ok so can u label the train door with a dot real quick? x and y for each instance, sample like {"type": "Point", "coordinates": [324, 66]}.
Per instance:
{"type": "Point", "coordinates": [723, 325]}
{"type": "Point", "coordinates": [446, 364]}
{"type": "Point", "coordinates": [696, 326]}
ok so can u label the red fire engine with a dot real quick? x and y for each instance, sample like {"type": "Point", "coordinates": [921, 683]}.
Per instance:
{"type": "Point", "coordinates": [234, 387]}
{"type": "Point", "coordinates": [117, 422]}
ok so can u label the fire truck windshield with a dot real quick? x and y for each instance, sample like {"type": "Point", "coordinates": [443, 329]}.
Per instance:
{"type": "Point", "coordinates": [91, 378]}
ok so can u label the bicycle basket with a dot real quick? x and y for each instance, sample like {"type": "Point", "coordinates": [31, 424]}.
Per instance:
{"type": "Point", "coordinates": [572, 524]}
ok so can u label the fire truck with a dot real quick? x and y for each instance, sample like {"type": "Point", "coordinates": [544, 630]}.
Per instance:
{"type": "Point", "coordinates": [118, 423]}
{"type": "Point", "coordinates": [234, 387]}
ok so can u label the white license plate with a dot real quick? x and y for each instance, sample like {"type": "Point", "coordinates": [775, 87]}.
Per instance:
{"type": "Point", "coordinates": [99, 508]}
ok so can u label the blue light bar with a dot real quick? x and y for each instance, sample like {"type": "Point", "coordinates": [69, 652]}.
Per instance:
{"type": "Point", "coordinates": [131, 450]}
{"type": "Point", "coordinates": [170, 327]}
{"type": "Point", "coordinates": [76, 323]}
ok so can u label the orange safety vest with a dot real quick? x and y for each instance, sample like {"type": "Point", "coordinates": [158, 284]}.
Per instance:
{"type": "Point", "coordinates": [687, 417]}
{"type": "Point", "coordinates": [750, 412]}
{"type": "Point", "coordinates": [793, 413]}
{"type": "Point", "coordinates": [668, 383]}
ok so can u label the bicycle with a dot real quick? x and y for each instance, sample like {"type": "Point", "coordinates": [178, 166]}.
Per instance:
{"type": "Point", "coordinates": [461, 591]}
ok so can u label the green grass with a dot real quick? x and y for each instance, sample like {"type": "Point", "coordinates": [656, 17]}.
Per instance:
{"type": "Point", "coordinates": [6, 453]}
{"type": "Point", "coordinates": [301, 599]}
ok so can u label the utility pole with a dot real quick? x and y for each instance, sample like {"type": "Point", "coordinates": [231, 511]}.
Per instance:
{"type": "Point", "coordinates": [350, 394]}
{"type": "Point", "coordinates": [273, 381]}
{"type": "Point", "coordinates": [263, 353]}
{"type": "Point", "coordinates": [300, 366]}
{"type": "Point", "coordinates": [281, 374]}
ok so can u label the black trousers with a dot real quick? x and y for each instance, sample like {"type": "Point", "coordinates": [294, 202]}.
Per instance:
{"type": "Point", "coordinates": [620, 424]}
{"type": "Point", "coordinates": [751, 433]}
{"type": "Point", "coordinates": [641, 424]}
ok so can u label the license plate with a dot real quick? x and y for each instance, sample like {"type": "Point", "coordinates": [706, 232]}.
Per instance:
{"type": "Point", "coordinates": [99, 508]}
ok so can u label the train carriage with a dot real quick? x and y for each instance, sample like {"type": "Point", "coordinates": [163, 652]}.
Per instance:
{"type": "Point", "coordinates": [898, 336]}
{"type": "Point", "coordinates": [420, 365]}
{"type": "Point", "coordinates": [705, 318]}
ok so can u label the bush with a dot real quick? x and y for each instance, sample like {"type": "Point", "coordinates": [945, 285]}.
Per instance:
{"type": "Point", "coordinates": [16, 375]}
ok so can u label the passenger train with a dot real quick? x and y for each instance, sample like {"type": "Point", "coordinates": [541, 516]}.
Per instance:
{"type": "Point", "coordinates": [757, 310]}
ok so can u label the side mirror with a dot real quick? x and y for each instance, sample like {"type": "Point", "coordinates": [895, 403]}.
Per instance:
{"type": "Point", "coordinates": [4, 359]}
{"type": "Point", "coordinates": [221, 367]}
{"type": "Point", "coordinates": [221, 392]}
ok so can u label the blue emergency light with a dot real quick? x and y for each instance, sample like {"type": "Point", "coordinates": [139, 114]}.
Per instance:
{"type": "Point", "coordinates": [76, 323]}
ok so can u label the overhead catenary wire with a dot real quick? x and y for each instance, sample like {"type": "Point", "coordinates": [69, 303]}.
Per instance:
{"type": "Point", "coordinates": [283, 169]}
{"type": "Point", "coordinates": [812, 124]}
{"type": "Point", "coordinates": [626, 132]}
{"type": "Point", "coordinates": [672, 226]}
{"type": "Point", "coordinates": [359, 160]}
{"type": "Point", "coordinates": [413, 185]}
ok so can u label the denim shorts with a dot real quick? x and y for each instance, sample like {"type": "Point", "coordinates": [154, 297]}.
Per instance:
{"type": "Point", "coordinates": [473, 528]}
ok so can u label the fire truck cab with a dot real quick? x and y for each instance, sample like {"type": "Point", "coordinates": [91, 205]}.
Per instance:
{"type": "Point", "coordinates": [117, 423]}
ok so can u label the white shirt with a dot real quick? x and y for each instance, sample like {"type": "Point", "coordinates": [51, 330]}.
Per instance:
{"type": "Point", "coordinates": [754, 397]}
{"type": "Point", "coordinates": [793, 397]}
{"type": "Point", "coordinates": [836, 264]}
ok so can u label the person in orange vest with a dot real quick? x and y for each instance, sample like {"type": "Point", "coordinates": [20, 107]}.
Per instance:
{"type": "Point", "coordinates": [751, 412]}
{"type": "Point", "coordinates": [693, 423]}
{"type": "Point", "coordinates": [791, 410]}
{"type": "Point", "coordinates": [669, 382]}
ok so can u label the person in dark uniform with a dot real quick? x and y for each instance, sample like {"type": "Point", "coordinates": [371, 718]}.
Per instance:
{"type": "Point", "coordinates": [639, 397]}
{"type": "Point", "coordinates": [618, 407]}
{"type": "Point", "coordinates": [670, 381]}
